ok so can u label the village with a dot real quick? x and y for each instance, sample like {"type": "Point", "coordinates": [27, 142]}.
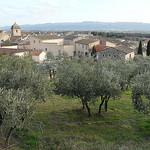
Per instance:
{"type": "Point", "coordinates": [39, 43]}
{"type": "Point", "coordinates": [73, 90]}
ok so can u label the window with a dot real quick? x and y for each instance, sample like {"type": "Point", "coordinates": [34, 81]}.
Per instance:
{"type": "Point", "coordinates": [16, 31]}
{"type": "Point", "coordinates": [82, 46]}
{"type": "Point", "coordinates": [114, 55]}
{"type": "Point", "coordinates": [39, 41]}
{"type": "Point", "coordinates": [34, 41]}
{"type": "Point", "coordinates": [45, 49]}
{"type": "Point", "coordinates": [78, 52]}
{"type": "Point", "coordinates": [86, 47]}
{"type": "Point", "coordinates": [103, 55]}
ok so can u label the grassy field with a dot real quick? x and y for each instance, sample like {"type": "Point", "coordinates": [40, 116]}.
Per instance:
{"type": "Point", "coordinates": [61, 124]}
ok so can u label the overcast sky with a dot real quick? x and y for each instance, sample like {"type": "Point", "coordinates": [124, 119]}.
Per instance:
{"type": "Point", "coordinates": [46, 11]}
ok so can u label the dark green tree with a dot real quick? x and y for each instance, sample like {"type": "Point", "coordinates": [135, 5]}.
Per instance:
{"type": "Point", "coordinates": [140, 49]}
{"type": "Point", "coordinates": [94, 51]}
{"type": "Point", "coordinates": [148, 48]}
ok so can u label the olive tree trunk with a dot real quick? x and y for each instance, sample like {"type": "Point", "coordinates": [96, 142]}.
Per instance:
{"type": "Point", "coordinates": [88, 109]}
{"type": "Point", "coordinates": [1, 122]}
{"type": "Point", "coordinates": [106, 103]}
{"type": "Point", "coordinates": [83, 105]}
{"type": "Point", "coordinates": [100, 106]}
{"type": "Point", "coordinates": [9, 135]}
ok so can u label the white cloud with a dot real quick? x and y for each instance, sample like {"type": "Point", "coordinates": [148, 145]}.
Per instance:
{"type": "Point", "coordinates": [71, 6]}
{"type": "Point", "coordinates": [49, 3]}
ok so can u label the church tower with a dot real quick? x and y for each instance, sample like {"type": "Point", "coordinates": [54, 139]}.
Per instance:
{"type": "Point", "coordinates": [15, 30]}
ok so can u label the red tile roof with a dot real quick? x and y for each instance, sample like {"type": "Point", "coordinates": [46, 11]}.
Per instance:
{"type": "Point", "coordinates": [4, 51]}
{"type": "Point", "coordinates": [98, 47]}
{"type": "Point", "coordinates": [36, 52]}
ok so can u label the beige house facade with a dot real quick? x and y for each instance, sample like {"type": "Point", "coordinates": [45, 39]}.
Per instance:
{"type": "Point", "coordinates": [82, 46]}
{"type": "Point", "coordinates": [51, 43]}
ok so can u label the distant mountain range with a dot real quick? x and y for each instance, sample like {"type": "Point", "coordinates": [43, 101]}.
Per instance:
{"type": "Point", "coordinates": [88, 25]}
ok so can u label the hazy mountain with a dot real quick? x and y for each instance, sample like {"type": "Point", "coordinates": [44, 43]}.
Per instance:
{"type": "Point", "coordinates": [88, 25]}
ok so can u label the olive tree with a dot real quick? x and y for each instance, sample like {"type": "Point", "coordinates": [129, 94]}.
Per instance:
{"type": "Point", "coordinates": [16, 108]}
{"type": "Point", "coordinates": [106, 83]}
{"type": "Point", "coordinates": [140, 92]}
{"type": "Point", "coordinates": [75, 79]}
{"type": "Point", "coordinates": [22, 84]}
{"type": "Point", "coordinates": [142, 65]}
{"type": "Point", "coordinates": [125, 69]}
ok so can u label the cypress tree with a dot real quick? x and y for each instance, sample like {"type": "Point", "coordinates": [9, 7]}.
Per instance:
{"type": "Point", "coordinates": [140, 49]}
{"type": "Point", "coordinates": [94, 51]}
{"type": "Point", "coordinates": [148, 48]}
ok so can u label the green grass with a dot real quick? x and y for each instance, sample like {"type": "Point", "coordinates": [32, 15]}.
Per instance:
{"type": "Point", "coordinates": [61, 124]}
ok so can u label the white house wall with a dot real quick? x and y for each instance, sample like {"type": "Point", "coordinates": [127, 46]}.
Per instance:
{"type": "Point", "coordinates": [57, 41]}
{"type": "Point", "coordinates": [130, 55]}
{"type": "Point", "coordinates": [36, 58]}
{"type": "Point", "coordinates": [21, 54]}
{"type": "Point", "coordinates": [39, 58]}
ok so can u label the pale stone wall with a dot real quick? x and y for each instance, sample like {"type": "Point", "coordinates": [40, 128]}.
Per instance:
{"type": "Point", "coordinates": [36, 44]}
{"type": "Point", "coordinates": [110, 44]}
{"type": "Point", "coordinates": [113, 53]}
{"type": "Point", "coordinates": [16, 32]}
{"type": "Point", "coordinates": [69, 49]}
{"type": "Point", "coordinates": [130, 55]}
{"type": "Point", "coordinates": [4, 36]}
{"type": "Point", "coordinates": [57, 41]}
{"type": "Point", "coordinates": [24, 46]}
{"type": "Point", "coordinates": [82, 49]}
{"type": "Point", "coordinates": [11, 47]}
{"type": "Point", "coordinates": [72, 42]}
{"type": "Point", "coordinates": [39, 58]}
{"type": "Point", "coordinates": [35, 58]}
{"type": "Point", "coordinates": [54, 48]}
{"type": "Point", "coordinates": [21, 54]}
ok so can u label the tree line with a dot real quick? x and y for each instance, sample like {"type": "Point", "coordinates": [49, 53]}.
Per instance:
{"type": "Point", "coordinates": [23, 83]}
{"type": "Point", "coordinates": [105, 80]}
{"type": "Point", "coordinates": [120, 35]}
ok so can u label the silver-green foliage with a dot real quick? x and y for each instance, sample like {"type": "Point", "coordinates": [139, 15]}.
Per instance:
{"type": "Point", "coordinates": [75, 79]}
{"type": "Point", "coordinates": [141, 92]}
{"type": "Point", "coordinates": [21, 85]}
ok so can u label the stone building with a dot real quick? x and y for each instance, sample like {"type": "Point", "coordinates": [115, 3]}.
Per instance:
{"type": "Point", "coordinates": [82, 46]}
{"type": "Point", "coordinates": [4, 35]}
{"type": "Point", "coordinates": [51, 43]}
{"type": "Point", "coordinates": [15, 30]}
{"type": "Point", "coordinates": [38, 56]}
{"type": "Point", "coordinates": [117, 52]}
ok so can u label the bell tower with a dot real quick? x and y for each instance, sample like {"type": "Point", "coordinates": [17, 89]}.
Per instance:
{"type": "Point", "coordinates": [15, 30]}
